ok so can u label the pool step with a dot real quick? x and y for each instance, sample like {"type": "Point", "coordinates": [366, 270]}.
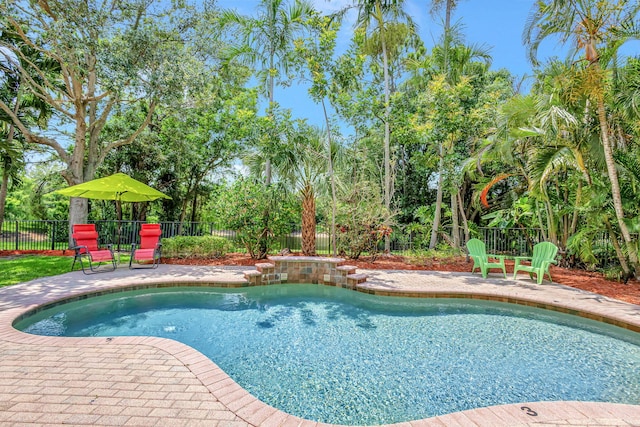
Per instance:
{"type": "Point", "coordinates": [305, 270]}
{"type": "Point", "coordinates": [355, 279]}
{"type": "Point", "coordinates": [348, 269]}
{"type": "Point", "coordinates": [265, 274]}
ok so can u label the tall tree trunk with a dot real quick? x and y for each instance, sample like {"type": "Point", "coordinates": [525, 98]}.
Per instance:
{"type": "Point", "coordinates": [574, 219]}
{"type": "Point", "coordinates": [75, 173]}
{"type": "Point", "coordinates": [183, 212]}
{"type": "Point", "coordinates": [615, 190]}
{"type": "Point", "coordinates": [616, 246]}
{"type": "Point", "coordinates": [465, 223]}
{"type": "Point", "coordinates": [447, 20]}
{"type": "Point", "coordinates": [447, 38]}
{"type": "Point", "coordinates": [455, 227]}
{"type": "Point", "coordinates": [194, 206]}
{"type": "Point", "coordinates": [140, 211]}
{"type": "Point", "coordinates": [551, 223]}
{"type": "Point", "coordinates": [332, 178]}
{"type": "Point", "coordinates": [271, 83]}
{"type": "Point", "coordinates": [387, 134]}
{"type": "Point", "coordinates": [436, 217]}
{"type": "Point", "coordinates": [543, 229]}
{"type": "Point", "coordinates": [308, 221]}
{"type": "Point", "coordinates": [263, 248]}
{"type": "Point", "coordinates": [78, 213]}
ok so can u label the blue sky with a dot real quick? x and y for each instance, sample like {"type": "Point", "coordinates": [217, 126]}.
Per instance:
{"type": "Point", "coordinates": [494, 24]}
{"type": "Point", "coordinates": [497, 24]}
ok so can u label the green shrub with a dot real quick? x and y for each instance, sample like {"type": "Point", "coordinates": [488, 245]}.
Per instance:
{"type": "Point", "coordinates": [361, 222]}
{"type": "Point", "coordinates": [257, 214]}
{"type": "Point", "coordinates": [357, 238]}
{"type": "Point", "coordinates": [614, 273]}
{"type": "Point", "coordinates": [195, 247]}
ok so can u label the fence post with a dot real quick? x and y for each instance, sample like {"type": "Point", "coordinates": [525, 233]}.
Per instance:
{"type": "Point", "coordinates": [53, 235]}
{"type": "Point", "coordinates": [17, 236]}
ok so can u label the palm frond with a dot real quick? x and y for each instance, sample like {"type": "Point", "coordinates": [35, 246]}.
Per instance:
{"type": "Point", "coordinates": [545, 163]}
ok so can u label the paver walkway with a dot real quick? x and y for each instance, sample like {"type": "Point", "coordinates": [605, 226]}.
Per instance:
{"type": "Point", "coordinates": [154, 381]}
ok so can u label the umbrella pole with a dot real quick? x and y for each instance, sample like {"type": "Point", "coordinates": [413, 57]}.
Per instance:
{"type": "Point", "coordinates": [119, 223]}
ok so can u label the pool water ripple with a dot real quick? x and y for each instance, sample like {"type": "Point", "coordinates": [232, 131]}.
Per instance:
{"type": "Point", "coordinates": [343, 357]}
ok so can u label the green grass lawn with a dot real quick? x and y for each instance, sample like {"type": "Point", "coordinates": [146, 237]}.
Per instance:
{"type": "Point", "coordinates": [28, 267]}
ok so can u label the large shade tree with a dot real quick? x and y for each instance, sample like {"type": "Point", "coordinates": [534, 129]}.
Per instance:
{"type": "Point", "coordinates": [109, 54]}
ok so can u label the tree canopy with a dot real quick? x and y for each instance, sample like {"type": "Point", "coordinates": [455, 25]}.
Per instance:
{"type": "Point", "coordinates": [423, 144]}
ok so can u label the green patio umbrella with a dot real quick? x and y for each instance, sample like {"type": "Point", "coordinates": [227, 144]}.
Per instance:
{"type": "Point", "coordinates": [118, 186]}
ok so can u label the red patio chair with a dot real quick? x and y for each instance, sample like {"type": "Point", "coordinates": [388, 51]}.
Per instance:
{"type": "Point", "coordinates": [150, 248]}
{"type": "Point", "coordinates": [85, 240]}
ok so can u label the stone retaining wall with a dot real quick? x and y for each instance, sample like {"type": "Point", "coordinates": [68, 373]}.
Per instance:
{"type": "Point", "coordinates": [297, 269]}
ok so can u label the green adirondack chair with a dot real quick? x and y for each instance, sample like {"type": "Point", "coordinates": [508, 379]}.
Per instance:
{"type": "Point", "coordinates": [544, 254]}
{"type": "Point", "coordinates": [478, 251]}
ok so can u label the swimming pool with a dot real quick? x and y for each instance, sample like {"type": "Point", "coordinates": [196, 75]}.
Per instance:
{"type": "Point", "coordinates": [338, 356]}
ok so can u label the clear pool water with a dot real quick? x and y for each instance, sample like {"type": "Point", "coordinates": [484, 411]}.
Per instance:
{"type": "Point", "coordinates": [343, 357]}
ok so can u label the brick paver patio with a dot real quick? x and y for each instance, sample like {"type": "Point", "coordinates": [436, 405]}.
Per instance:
{"type": "Point", "coordinates": [153, 381]}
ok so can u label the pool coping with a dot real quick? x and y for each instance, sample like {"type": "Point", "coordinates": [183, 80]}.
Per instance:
{"type": "Point", "coordinates": [239, 407]}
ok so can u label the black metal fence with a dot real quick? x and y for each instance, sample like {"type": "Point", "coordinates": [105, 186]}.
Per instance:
{"type": "Point", "coordinates": [510, 241]}
{"type": "Point", "coordinates": [34, 235]}
{"type": "Point", "coordinates": [54, 235]}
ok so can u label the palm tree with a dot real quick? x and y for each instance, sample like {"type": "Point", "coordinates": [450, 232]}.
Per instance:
{"type": "Point", "coordinates": [546, 132]}
{"type": "Point", "coordinates": [374, 17]}
{"type": "Point", "coordinates": [318, 52]}
{"type": "Point", "coordinates": [267, 43]}
{"type": "Point", "coordinates": [301, 164]}
{"type": "Point", "coordinates": [449, 6]}
{"type": "Point", "coordinates": [593, 26]}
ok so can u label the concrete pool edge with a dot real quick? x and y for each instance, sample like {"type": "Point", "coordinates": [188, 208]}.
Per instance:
{"type": "Point", "coordinates": [246, 408]}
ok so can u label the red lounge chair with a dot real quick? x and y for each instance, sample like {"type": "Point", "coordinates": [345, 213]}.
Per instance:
{"type": "Point", "coordinates": [150, 248]}
{"type": "Point", "coordinates": [85, 239]}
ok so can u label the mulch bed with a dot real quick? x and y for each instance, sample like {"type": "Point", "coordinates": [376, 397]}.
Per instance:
{"type": "Point", "coordinates": [589, 281]}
